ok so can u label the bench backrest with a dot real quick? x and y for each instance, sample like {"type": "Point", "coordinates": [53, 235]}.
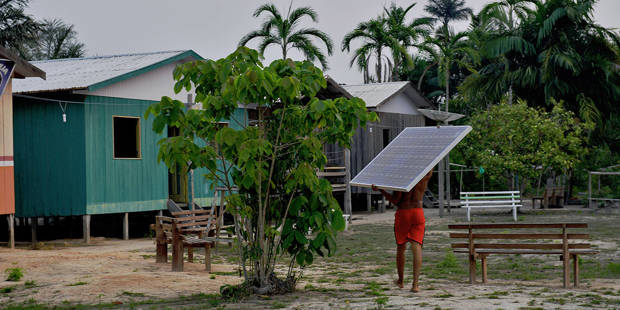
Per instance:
{"type": "Point", "coordinates": [491, 233]}
{"type": "Point", "coordinates": [494, 199]}
{"type": "Point", "coordinates": [185, 222]}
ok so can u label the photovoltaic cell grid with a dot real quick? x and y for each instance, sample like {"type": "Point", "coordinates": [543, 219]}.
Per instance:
{"type": "Point", "coordinates": [409, 157]}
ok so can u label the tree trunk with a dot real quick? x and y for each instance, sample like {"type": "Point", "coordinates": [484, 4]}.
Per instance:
{"type": "Point", "coordinates": [423, 74]}
{"type": "Point", "coordinates": [379, 66]}
{"type": "Point", "coordinates": [447, 89]}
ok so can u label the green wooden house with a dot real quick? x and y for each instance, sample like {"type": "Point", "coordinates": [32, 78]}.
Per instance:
{"type": "Point", "coordinates": [82, 144]}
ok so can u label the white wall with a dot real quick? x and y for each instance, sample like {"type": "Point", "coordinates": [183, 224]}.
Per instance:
{"type": "Point", "coordinates": [147, 86]}
{"type": "Point", "coordinates": [400, 103]}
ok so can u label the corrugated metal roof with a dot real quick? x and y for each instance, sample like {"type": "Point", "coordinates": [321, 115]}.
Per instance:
{"type": "Point", "coordinates": [80, 73]}
{"type": "Point", "coordinates": [375, 94]}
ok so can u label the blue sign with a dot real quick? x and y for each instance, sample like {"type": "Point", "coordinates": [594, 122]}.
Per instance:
{"type": "Point", "coordinates": [6, 70]}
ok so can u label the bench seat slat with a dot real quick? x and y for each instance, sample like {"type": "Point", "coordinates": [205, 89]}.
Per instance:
{"type": "Point", "coordinates": [517, 225]}
{"type": "Point", "coordinates": [482, 202]}
{"type": "Point", "coordinates": [194, 218]}
{"type": "Point", "coordinates": [518, 236]}
{"type": "Point", "coordinates": [476, 198]}
{"type": "Point", "coordinates": [492, 206]}
{"type": "Point", "coordinates": [190, 212]}
{"type": "Point", "coordinates": [490, 192]}
{"type": "Point", "coordinates": [531, 246]}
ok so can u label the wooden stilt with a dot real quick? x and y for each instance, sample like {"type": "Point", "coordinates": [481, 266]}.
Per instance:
{"type": "Point", "coordinates": [347, 193]}
{"type": "Point", "coordinates": [11, 220]}
{"type": "Point", "coordinates": [86, 228]}
{"type": "Point", "coordinates": [126, 226]}
{"type": "Point", "coordinates": [368, 202]}
{"type": "Point", "coordinates": [208, 257]}
{"type": "Point", "coordinates": [33, 229]}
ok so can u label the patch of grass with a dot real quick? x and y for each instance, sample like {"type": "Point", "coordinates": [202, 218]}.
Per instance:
{"type": "Point", "coordinates": [496, 294]}
{"type": "Point", "coordinates": [444, 295]}
{"type": "Point", "coordinates": [225, 273]}
{"type": "Point", "coordinates": [147, 256]}
{"type": "Point", "coordinates": [381, 302]}
{"type": "Point", "coordinates": [212, 277]}
{"type": "Point", "coordinates": [555, 300]}
{"type": "Point", "coordinates": [614, 268]}
{"type": "Point", "coordinates": [14, 274]}
{"type": "Point", "coordinates": [78, 283]}
{"type": "Point", "coordinates": [278, 305]}
{"type": "Point", "coordinates": [7, 289]}
{"type": "Point", "coordinates": [373, 288]}
{"type": "Point", "coordinates": [133, 294]}
{"type": "Point", "coordinates": [30, 284]}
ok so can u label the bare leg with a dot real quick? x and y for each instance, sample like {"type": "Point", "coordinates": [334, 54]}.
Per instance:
{"type": "Point", "coordinates": [416, 248]}
{"type": "Point", "coordinates": [400, 263]}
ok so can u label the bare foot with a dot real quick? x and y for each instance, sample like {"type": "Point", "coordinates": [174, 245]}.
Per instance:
{"type": "Point", "coordinates": [399, 283]}
{"type": "Point", "coordinates": [415, 289]}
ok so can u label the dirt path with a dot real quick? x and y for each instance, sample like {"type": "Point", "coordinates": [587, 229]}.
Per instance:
{"type": "Point", "coordinates": [107, 271]}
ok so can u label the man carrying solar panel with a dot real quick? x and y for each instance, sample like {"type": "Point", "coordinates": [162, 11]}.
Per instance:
{"type": "Point", "coordinates": [409, 225]}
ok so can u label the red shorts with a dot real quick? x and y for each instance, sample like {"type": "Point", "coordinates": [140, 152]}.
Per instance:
{"type": "Point", "coordinates": [409, 225]}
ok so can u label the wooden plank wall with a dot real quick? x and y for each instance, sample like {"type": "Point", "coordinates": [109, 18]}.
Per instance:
{"type": "Point", "coordinates": [7, 186]}
{"type": "Point", "coordinates": [368, 142]}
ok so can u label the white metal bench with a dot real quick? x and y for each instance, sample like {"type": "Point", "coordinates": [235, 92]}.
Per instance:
{"type": "Point", "coordinates": [501, 199]}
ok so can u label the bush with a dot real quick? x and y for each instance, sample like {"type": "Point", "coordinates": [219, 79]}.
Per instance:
{"type": "Point", "coordinates": [14, 274]}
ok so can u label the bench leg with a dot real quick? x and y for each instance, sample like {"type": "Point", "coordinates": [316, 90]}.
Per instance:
{"type": "Point", "coordinates": [190, 254]}
{"type": "Point", "coordinates": [566, 268]}
{"type": "Point", "coordinates": [472, 269]}
{"type": "Point", "coordinates": [483, 263]}
{"type": "Point", "coordinates": [575, 270]}
{"type": "Point", "coordinates": [162, 252]}
{"type": "Point", "coordinates": [514, 213]}
{"type": "Point", "coordinates": [208, 257]}
{"type": "Point", "coordinates": [177, 256]}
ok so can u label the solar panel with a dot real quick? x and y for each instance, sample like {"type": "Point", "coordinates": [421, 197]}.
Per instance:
{"type": "Point", "coordinates": [409, 157]}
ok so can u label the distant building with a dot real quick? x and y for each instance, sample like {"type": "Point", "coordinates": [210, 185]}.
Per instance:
{"type": "Point", "coordinates": [11, 67]}
{"type": "Point", "coordinates": [84, 146]}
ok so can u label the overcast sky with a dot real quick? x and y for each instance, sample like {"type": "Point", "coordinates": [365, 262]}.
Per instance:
{"type": "Point", "coordinates": [213, 28]}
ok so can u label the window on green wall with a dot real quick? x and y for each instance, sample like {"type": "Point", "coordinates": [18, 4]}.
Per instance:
{"type": "Point", "coordinates": [126, 137]}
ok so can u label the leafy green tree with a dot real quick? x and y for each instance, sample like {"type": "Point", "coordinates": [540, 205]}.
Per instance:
{"type": "Point", "coordinates": [510, 140]}
{"type": "Point", "coordinates": [16, 27]}
{"type": "Point", "coordinates": [56, 40]}
{"type": "Point", "coordinates": [284, 31]}
{"type": "Point", "coordinates": [272, 162]}
{"type": "Point", "coordinates": [446, 11]}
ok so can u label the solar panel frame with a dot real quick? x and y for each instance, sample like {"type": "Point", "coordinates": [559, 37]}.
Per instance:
{"type": "Point", "coordinates": [362, 178]}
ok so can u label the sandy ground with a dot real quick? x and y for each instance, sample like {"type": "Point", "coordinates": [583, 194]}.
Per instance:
{"type": "Point", "coordinates": [116, 271]}
{"type": "Point", "coordinates": [107, 271]}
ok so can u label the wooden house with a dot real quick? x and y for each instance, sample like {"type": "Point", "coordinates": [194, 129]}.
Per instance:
{"type": "Point", "coordinates": [396, 104]}
{"type": "Point", "coordinates": [11, 67]}
{"type": "Point", "coordinates": [84, 146]}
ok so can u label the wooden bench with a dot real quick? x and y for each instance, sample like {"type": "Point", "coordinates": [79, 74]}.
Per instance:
{"type": "Point", "coordinates": [501, 199]}
{"type": "Point", "coordinates": [500, 245]}
{"type": "Point", "coordinates": [552, 196]}
{"type": "Point", "coordinates": [186, 229]}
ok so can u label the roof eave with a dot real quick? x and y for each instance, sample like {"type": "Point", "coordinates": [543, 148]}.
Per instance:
{"type": "Point", "coordinates": [23, 68]}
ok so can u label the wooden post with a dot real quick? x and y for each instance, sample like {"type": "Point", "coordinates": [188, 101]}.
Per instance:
{"type": "Point", "coordinates": [575, 270]}
{"type": "Point", "coordinates": [177, 248]}
{"type": "Point", "coordinates": [208, 257]}
{"type": "Point", "coordinates": [33, 229]}
{"type": "Point", "coordinates": [86, 228]}
{"type": "Point", "coordinates": [11, 220]}
{"type": "Point", "coordinates": [368, 202]}
{"type": "Point", "coordinates": [565, 257]}
{"type": "Point", "coordinates": [448, 196]}
{"type": "Point", "coordinates": [472, 257]}
{"type": "Point", "coordinates": [441, 189]}
{"type": "Point", "coordinates": [589, 189]}
{"type": "Point", "coordinates": [383, 203]}
{"type": "Point", "coordinates": [126, 226]}
{"type": "Point", "coordinates": [347, 192]}
{"type": "Point", "coordinates": [483, 263]}
{"type": "Point", "coordinates": [162, 247]}
{"type": "Point", "coordinates": [190, 254]}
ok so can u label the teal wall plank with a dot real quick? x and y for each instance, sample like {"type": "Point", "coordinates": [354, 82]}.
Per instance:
{"type": "Point", "coordinates": [121, 185]}
{"type": "Point", "coordinates": [49, 159]}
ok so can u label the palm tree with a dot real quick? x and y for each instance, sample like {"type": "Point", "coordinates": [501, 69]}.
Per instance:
{"type": "Point", "coordinates": [406, 34]}
{"type": "Point", "coordinates": [506, 15]}
{"type": "Point", "coordinates": [57, 40]}
{"type": "Point", "coordinates": [375, 36]}
{"type": "Point", "coordinates": [447, 49]}
{"type": "Point", "coordinates": [448, 10]}
{"type": "Point", "coordinates": [284, 31]}
{"type": "Point", "coordinates": [16, 27]}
